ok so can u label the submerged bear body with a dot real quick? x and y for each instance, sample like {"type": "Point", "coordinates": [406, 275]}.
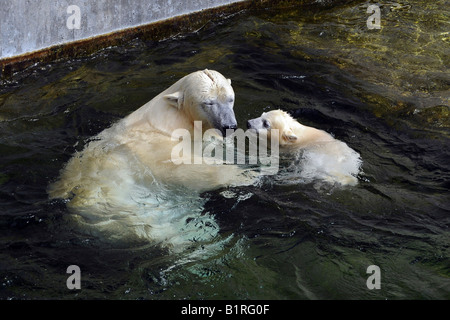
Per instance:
{"type": "Point", "coordinates": [125, 180]}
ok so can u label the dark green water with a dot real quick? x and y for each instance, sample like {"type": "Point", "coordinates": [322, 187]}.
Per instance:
{"type": "Point", "coordinates": [383, 92]}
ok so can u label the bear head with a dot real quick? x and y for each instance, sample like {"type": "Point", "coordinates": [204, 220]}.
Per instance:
{"type": "Point", "coordinates": [206, 96]}
{"type": "Point", "coordinates": [275, 119]}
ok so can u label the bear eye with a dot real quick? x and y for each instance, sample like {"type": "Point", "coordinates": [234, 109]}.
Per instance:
{"type": "Point", "coordinates": [266, 124]}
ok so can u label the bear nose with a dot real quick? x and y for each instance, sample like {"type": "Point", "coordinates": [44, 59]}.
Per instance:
{"type": "Point", "coordinates": [229, 126]}
{"type": "Point", "coordinates": [248, 124]}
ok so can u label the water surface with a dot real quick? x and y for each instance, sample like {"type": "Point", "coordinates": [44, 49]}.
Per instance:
{"type": "Point", "coordinates": [383, 92]}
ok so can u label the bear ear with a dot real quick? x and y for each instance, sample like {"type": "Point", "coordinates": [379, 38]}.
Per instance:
{"type": "Point", "coordinates": [289, 136]}
{"type": "Point", "coordinates": [229, 81]}
{"type": "Point", "coordinates": [174, 99]}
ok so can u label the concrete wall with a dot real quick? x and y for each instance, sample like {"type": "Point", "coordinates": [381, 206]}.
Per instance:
{"type": "Point", "coordinates": [30, 25]}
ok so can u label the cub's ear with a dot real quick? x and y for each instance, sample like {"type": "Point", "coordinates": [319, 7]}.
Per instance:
{"type": "Point", "coordinates": [289, 136]}
{"type": "Point", "coordinates": [229, 81]}
{"type": "Point", "coordinates": [174, 99]}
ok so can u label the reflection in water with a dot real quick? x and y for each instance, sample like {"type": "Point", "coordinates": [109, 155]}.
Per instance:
{"type": "Point", "coordinates": [383, 92]}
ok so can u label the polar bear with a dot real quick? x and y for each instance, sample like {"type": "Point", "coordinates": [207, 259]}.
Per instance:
{"type": "Point", "coordinates": [320, 155]}
{"type": "Point", "coordinates": [125, 180]}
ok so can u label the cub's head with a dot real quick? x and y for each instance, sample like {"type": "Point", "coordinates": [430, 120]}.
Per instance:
{"type": "Point", "coordinates": [206, 96]}
{"type": "Point", "coordinates": [275, 119]}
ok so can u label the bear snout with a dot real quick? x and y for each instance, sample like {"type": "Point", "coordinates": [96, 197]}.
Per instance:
{"type": "Point", "coordinates": [254, 124]}
{"type": "Point", "coordinates": [227, 127]}
{"type": "Point", "coordinates": [230, 126]}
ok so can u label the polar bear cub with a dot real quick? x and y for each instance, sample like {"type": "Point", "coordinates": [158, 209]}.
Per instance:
{"type": "Point", "coordinates": [320, 155]}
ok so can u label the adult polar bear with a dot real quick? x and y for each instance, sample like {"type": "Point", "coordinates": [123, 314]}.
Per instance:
{"type": "Point", "coordinates": [124, 183]}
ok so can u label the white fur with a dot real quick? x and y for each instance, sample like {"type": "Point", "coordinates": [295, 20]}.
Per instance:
{"type": "Point", "coordinates": [123, 185]}
{"type": "Point", "coordinates": [319, 155]}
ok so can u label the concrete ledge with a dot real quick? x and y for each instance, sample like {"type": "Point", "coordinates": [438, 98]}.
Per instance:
{"type": "Point", "coordinates": [37, 30]}
{"type": "Point", "coordinates": [30, 25]}
{"type": "Point", "coordinates": [25, 44]}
